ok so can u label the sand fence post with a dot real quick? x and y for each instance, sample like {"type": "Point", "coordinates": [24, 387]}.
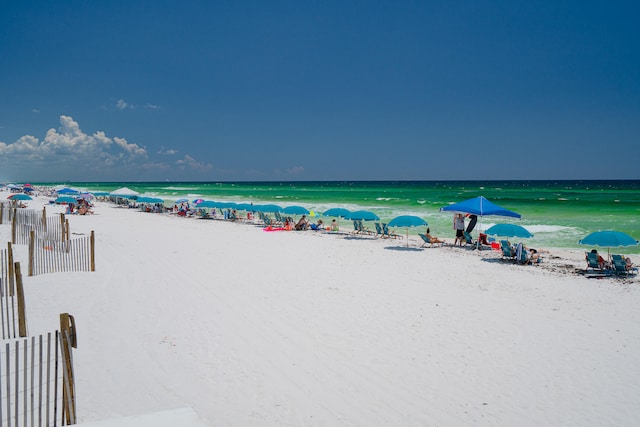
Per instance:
{"type": "Point", "coordinates": [13, 229]}
{"type": "Point", "coordinates": [32, 248]}
{"type": "Point", "coordinates": [12, 270]}
{"type": "Point", "coordinates": [22, 320]}
{"type": "Point", "coordinates": [93, 250]}
{"type": "Point", "coordinates": [62, 226]}
{"type": "Point", "coordinates": [68, 340]}
{"type": "Point", "coordinates": [44, 218]}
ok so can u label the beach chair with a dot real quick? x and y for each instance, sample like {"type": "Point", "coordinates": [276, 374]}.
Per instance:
{"type": "Point", "coordinates": [379, 232]}
{"type": "Point", "coordinates": [508, 251]}
{"type": "Point", "coordinates": [427, 240]}
{"type": "Point", "coordinates": [592, 261]}
{"type": "Point", "coordinates": [469, 240]}
{"type": "Point", "coordinates": [356, 229]}
{"type": "Point", "coordinates": [521, 254]}
{"type": "Point", "coordinates": [362, 229]}
{"type": "Point", "coordinates": [387, 233]}
{"type": "Point", "coordinates": [620, 266]}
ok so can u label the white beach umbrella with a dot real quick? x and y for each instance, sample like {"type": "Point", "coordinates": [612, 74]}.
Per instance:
{"type": "Point", "coordinates": [124, 191]}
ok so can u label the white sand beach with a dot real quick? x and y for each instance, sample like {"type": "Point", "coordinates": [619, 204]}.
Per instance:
{"type": "Point", "coordinates": [255, 328]}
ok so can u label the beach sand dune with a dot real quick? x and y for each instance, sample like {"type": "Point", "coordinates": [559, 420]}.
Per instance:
{"type": "Point", "coordinates": [252, 328]}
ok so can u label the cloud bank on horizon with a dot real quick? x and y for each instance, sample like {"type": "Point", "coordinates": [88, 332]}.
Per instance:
{"type": "Point", "coordinates": [68, 153]}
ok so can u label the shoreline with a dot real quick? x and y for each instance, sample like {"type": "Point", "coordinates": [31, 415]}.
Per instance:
{"type": "Point", "coordinates": [559, 215]}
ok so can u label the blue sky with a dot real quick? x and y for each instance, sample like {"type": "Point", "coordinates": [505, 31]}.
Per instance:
{"type": "Point", "coordinates": [319, 90]}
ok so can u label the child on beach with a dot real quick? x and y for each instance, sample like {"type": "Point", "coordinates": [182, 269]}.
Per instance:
{"type": "Point", "coordinates": [458, 225]}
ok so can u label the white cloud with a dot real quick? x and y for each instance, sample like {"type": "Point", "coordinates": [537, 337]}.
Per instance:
{"type": "Point", "coordinates": [122, 105]}
{"type": "Point", "coordinates": [192, 164]}
{"type": "Point", "coordinates": [70, 149]}
{"type": "Point", "coordinates": [296, 170]}
{"type": "Point", "coordinates": [168, 152]}
{"type": "Point", "coordinates": [68, 153]}
{"type": "Point", "coordinates": [35, 110]}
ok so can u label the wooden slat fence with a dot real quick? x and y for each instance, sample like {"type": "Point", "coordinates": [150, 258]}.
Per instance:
{"type": "Point", "coordinates": [36, 379]}
{"type": "Point", "coordinates": [12, 303]}
{"type": "Point", "coordinates": [69, 255]}
{"type": "Point", "coordinates": [46, 228]}
{"type": "Point", "coordinates": [5, 213]}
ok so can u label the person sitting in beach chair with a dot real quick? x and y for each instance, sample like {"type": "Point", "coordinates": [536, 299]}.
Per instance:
{"type": "Point", "coordinates": [428, 238]}
{"type": "Point", "coordinates": [302, 224]}
{"type": "Point", "coordinates": [595, 260]}
{"type": "Point", "coordinates": [317, 227]}
{"type": "Point", "coordinates": [622, 265]}
{"type": "Point", "coordinates": [526, 255]}
{"type": "Point", "coordinates": [83, 210]}
{"type": "Point", "coordinates": [508, 251]}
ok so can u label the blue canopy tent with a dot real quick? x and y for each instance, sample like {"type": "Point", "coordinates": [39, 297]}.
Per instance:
{"type": "Point", "coordinates": [479, 206]}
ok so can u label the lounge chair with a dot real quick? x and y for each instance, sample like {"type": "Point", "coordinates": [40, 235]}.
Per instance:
{"type": "Point", "coordinates": [468, 238]}
{"type": "Point", "coordinates": [507, 250]}
{"type": "Point", "coordinates": [620, 266]}
{"type": "Point", "coordinates": [387, 233]}
{"type": "Point", "coordinates": [593, 261]}
{"type": "Point", "coordinates": [363, 230]}
{"type": "Point", "coordinates": [379, 232]}
{"type": "Point", "coordinates": [429, 241]}
{"type": "Point", "coordinates": [522, 255]}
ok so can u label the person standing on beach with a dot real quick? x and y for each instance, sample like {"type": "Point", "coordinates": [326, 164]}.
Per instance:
{"type": "Point", "coordinates": [458, 225]}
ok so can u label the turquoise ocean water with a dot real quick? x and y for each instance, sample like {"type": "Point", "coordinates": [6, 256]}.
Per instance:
{"type": "Point", "coordinates": [558, 213]}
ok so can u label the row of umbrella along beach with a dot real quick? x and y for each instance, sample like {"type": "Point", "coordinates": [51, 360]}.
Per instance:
{"type": "Point", "coordinates": [478, 206]}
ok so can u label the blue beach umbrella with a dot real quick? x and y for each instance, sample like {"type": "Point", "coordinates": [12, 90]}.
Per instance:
{"type": "Point", "coordinates": [338, 212]}
{"type": "Point", "coordinates": [296, 210]}
{"type": "Point", "coordinates": [245, 207]}
{"type": "Point", "coordinates": [407, 221]}
{"type": "Point", "coordinates": [608, 239]}
{"type": "Point", "coordinates": [509, 230]}
{"type": "Point", "coordinates": [182, 200]}
{"type": "Point", "coordinates": [66, 199]}
{"type": "Point", "coordinates": [20, 196]}
{"type": "Point", "coordinates": [269, 208]}
{"type": "Point", "coordinates": [148, 200]}
{"type": "Point", "coordinates": [67, 190]}
{"type": "Point", "coordinates": [227, 205]}
{"type": "Point", "coordinates": [207, 204]}
{"type": "Point", "coordinates": [363, 216]}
